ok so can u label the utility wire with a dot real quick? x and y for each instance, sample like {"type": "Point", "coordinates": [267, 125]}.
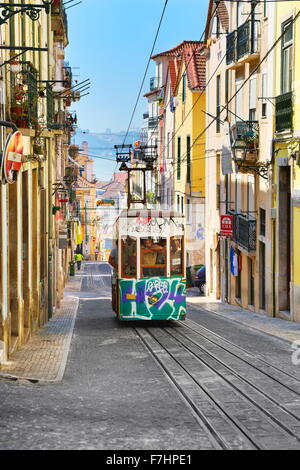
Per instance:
{"type": "Point", "coordinates": [210, 79]}
{"type": "Point", "coordinates": [186, 67]}
{"type": "Point", "coordinates": [146, 71]}
{"type": "Point", "coordinates": [235, 94]}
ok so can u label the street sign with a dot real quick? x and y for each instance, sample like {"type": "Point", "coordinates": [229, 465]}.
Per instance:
{"type": "Point", "coordinates": [226, 226]}
{"type": "Point", "coordinates": [12, 157]}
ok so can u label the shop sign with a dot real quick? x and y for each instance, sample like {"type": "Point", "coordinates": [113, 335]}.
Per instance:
{"type": "Point", "coordinates": [12, 157]}
{"type": "Point", "coordinates": [226, 226]}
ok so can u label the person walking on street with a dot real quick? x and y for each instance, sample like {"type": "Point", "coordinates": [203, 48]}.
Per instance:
{"type": "Point", "coordinates": [78, 258]}
{"type": "Point", "coordinates": [96, 254]}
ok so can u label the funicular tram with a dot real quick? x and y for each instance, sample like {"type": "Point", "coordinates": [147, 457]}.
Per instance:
{"type": "Point", "coordinates": [149, 282]}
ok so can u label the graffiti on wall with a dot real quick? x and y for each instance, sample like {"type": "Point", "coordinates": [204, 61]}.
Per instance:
{"type": "Point", "coordinates": [155, 298]}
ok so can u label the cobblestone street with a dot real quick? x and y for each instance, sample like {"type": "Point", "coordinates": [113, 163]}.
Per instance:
{"type": "Point", "coordinates": [207, 383]}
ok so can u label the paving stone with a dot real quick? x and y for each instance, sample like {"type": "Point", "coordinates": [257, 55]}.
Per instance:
{"type": "Point", "coordinates": [44, 357]}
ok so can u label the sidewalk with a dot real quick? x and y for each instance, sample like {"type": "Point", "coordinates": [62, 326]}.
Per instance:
{"type": "Point", "coordinates": [283, 329]}
{"type": "Point", "coordinates": [43, 359]}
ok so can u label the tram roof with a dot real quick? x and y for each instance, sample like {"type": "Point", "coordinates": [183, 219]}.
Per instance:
{"type": "Point", "coordinates": [150, 213]}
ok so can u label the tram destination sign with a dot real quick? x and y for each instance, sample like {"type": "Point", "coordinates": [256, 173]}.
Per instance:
{"type": "Point", "coordinates": [151, 226]}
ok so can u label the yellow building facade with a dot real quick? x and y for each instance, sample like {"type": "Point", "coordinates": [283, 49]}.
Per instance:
{"type": "Point", "coordinates": [286, 178]}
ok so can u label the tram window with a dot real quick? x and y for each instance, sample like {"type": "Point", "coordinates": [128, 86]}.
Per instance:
{"type": "Point", "coordinates": [153, 257]}
{"type": "Point", "coordinates": [176, 256]}
{"type": "Point", "coordinates": [129, 257]}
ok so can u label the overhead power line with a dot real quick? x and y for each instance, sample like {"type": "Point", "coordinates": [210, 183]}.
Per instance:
{"type": "Point", "coordinates": [235, 94]}
{"type": "Point", "coordinates": [146, 71]}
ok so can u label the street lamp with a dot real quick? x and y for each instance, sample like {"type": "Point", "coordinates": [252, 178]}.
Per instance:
{"type": "Point", "coordinates": [33, 11]}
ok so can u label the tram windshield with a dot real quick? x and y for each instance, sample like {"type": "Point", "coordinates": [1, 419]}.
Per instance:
{"type": "Point", "coordinates": [129, 258]}
{"type": "Point", "coordinates": [153, 257]}
{"type": "Point", "coordinates": [176, 256]}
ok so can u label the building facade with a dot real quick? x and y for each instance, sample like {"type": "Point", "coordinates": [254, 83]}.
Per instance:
{"type": "Point", "coordinates": [35, 93]}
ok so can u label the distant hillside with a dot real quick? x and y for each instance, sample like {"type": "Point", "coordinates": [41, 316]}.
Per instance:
{"type": "Point", "coordinates": [104, 141]}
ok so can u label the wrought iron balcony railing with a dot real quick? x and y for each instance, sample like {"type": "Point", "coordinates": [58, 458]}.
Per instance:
{"type": "Point", "coordinates": [24, 99]}
{"type": "Point", "coordinates": [284, 112]}
{"type": "Point", "coordinates": [244, 230]}
{"type": "Point", "coordinates": [242, 42]}
{"type": "Point", "coordinates": [230, 47]}
{"type": "Point", "coordinates": [152, 122]}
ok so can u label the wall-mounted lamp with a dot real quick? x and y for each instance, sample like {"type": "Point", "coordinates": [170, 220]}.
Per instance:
{"type": "Point", "coordinates": [33, 11]}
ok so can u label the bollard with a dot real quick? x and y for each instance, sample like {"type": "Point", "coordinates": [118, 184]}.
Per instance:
{"type": "Point", "coordinates": [72, 268]}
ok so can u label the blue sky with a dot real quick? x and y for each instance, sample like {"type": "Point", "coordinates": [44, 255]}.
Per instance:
{"type": "Point", "coordinates": [110, 40]}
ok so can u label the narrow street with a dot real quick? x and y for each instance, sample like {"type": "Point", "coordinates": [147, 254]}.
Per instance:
{"type": "Point", "coordinates": [206, 383]}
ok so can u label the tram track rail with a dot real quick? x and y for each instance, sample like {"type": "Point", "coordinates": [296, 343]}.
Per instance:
{"type": "Point", "coordinates": [256, 356]}
{"type": "Point", "coordinates": [187, 362]}
{"type": "Point", "coordinates": [201, 330]}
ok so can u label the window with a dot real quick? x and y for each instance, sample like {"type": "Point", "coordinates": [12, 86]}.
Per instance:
{"type": "Point", "coordinates": [251, 195]}
{"type": "Point", "coordinates": [218, 27]}
{"type": "Point", "coordinates": [188, 211]}
{"type": "Point", "coordinates": [239, 100]}
{"type": "Point", "coordinates": [252, 100]}
{"type": "Point", "coordinates": [264, 89]}
{"type": "Point", "coordinates": [176, 256]}
{"type": "Point", "coordinates": [287, 57]}
{"type": "Point", "coordinates": [153, 257]}
{"type": "Point", "coordinates": [188, 159]}
{"type": "Point", "coordinates": [159, 74]}
{"type": "Point", "coordinates": [251, 287]}
{"type": "Point", "coordinates": [218, 182]}
{"type": "Point", "coordinates": [238, 190]}
{"type": "Point", "coordinates": [178, 202]}
{"type": "Point", "coordinates": [265, 8]}
{"type": "Point", "coordinates": [226, 86]}
{"type": "Point", "coordinates": [184, 87]}
{"type": "Point", "coordinates": [178, 158]}
{"type": "Point", "coordinates": [262, 218]}
{"type": "Point", "coordinates": [239, 14]}
{"type": "Point", "coordinates": [218, 102]}
{"type": "Point", "coordinates": [129, 260]}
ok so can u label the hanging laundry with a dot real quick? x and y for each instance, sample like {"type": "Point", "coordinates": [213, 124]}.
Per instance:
{"type": "Point", "coordinates": [234, 264]}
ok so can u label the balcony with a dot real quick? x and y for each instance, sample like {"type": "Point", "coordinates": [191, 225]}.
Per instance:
{"type": "Point", "coordinates": [284, 112]}
{"type": "Point", "coordinates": [243, 44]}
{"type": "Point", "coordinates": [59, 24]}
{"type": "Point", "coordinates": [24, 98]}
{"type": "Point", "coordinates": [154, 83]}
{"type": "Point", "coordinates": [153, 122]}
{"type": "Point", "coordinates": [244, 231]}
